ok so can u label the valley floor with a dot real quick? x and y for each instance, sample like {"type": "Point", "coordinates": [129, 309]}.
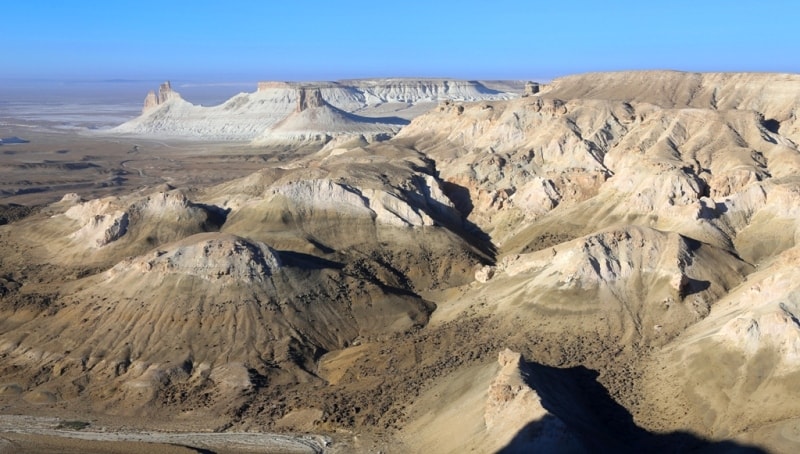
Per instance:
{"type": "Point", "coordinates": [27, 434]}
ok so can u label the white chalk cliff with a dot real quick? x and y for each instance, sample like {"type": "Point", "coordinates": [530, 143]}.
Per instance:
{"type": "Point", "coordinates": [316, 121]}
{"type": "Point", "coordinates": [249, 116]}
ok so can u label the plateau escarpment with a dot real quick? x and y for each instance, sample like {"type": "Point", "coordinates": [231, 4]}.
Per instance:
{"type": "Point", "coordinates": [631, 236]}
{"type": "Point", "coordinates": [353, 107]}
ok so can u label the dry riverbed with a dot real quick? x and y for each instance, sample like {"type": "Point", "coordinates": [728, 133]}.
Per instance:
{"type": "Point", "coordinates": [29, 434]}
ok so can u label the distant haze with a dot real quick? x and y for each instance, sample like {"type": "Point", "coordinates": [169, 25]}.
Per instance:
{"type": "Point", "coordinates": [98, 103]}
{"type": "Point", "coordinates": [116, 91]}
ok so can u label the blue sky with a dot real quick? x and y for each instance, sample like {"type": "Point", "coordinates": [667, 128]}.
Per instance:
{"type": "Point", "coordinates": [236, 40]}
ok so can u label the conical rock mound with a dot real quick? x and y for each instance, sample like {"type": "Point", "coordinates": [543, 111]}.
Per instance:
{"type": "Point", "coordinates": [314, 120]}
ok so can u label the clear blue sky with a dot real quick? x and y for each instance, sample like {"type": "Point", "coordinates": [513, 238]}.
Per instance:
{"type": "Point", "coordinates": [232, 40]}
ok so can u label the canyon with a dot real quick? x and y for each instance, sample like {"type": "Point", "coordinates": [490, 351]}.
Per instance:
{"type": "Point", "coordinates": [605, 262]}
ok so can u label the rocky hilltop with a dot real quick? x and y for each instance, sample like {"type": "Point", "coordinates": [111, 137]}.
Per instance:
{"type": "Point", "coordinates": [608, 263]}
{"type": "Point", "coordinates": [248, 116]}
{"type": "Point", "coordinates": [775, 96]}
{"type": "Point", "coordinates": [153, 99]}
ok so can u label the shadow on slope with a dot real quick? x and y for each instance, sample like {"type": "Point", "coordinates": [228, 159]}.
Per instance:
{"type": "Point", "coordinates": [576, 397]}
{"type": "Point", "coordinates": [391, 121]}
{"type": "Point", "coordinates": [307, 261]}
{"type": "Point", "coordinates": [217, 216]}
{"type": "Point", "coordinates": [468, 230]}
{"type": "Point", "coordinates": [13, 212]}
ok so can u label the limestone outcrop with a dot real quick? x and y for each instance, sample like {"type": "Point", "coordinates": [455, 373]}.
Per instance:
{"type": "Point", "coordinates": [153, 99]}
{"type": "Point", "coordinates": [246, 116]}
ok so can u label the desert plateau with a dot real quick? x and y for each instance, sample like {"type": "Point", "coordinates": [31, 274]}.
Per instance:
{"type": "Point", "coordinates": [602, 262]}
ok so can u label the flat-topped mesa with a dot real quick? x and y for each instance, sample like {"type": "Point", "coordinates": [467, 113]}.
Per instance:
{"type": "Point", "coordinates": [309, 98]}
{"type": "Point", "coordinates": [269, 85]}
{"type": "Point", "coordinates": [153, 100]}
{"type": "Point", "coordinates": [246, 116]}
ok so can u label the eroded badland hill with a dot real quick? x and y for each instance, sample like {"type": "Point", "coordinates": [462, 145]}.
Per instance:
{"type": "Point", "coordinates": [608, 262]}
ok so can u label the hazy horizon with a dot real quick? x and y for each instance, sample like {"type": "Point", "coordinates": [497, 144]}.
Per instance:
{"type": "Point", "coordinates": [96, 104]}
{"type": "Point", "coordinates": [72, 55]}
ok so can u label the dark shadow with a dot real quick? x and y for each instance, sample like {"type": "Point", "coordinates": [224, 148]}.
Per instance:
{"type": "Point", "coordinates": [111, 182]}
{"type": "Point", "coordinates": [460, 197]}
{"type": "Point", "coordinates": [443, 215]}
{"type": "Point", "coordinates": [595, 265]}
{"type": "Point", "coordinates": [13, 212]}
{"type": "Point", "coordinates": [325, 249]}
{"type": "Point", "coordinates": [597, 421]}
{"type": "Point", "coordinates": [13, 139]}
{"type": "Point", "coordinates": [216, 216]}
{"type": "Point", "coordinates": [193, 448]}
{"type": "Point", "coordinates": [772, 125]}
{"type": "Point", "coordinates": [479, 239]}
{"type": "Point", "coordinates": [348, 116]}
{"type": "Point", "coordinates": [540, 436]}
{"type": "Point", "coordinates": [790, 314]}
{"type": "Point", "coordinates": [61, 165]}
{"type": "Point", "coordinates": [481, 88]}
{"type": "Point", "coordinates": [693, 244]}
{"type": "Point", "coordinates": [704, 188]}
{"type": "Point", "coordinates": [393, 121]}
{"type": "Point", "coordinates": [694, 286]}
{"type": "Point", "coordinates": [256, 378]}
{"type": "Point", "coordinates": [399, 291]}
{"type": "Point", "coordinates": [456, 222]}
{"type": "Point", "coordinates": [712, 211]}
{"type": "Point", "coordinates": [78, 165]}
{"type": "Point", "coordinates": [22, 191]}
{"type": "Point", "coordinates": [306, 261]}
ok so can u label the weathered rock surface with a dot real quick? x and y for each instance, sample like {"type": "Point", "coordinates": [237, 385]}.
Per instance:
{"type": "Point", "coordinates": [775, 96]}
{"type": "Point", "coordinates": [518, 160]}
{"type": "Point", "coordinates": [633, 236]}
{"type": "Point", "coordinates": [316, 121]}
{"type": "Point", "coordinates": [355, 106]}
{"type": "Point", "coordinates": [153, 99]}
